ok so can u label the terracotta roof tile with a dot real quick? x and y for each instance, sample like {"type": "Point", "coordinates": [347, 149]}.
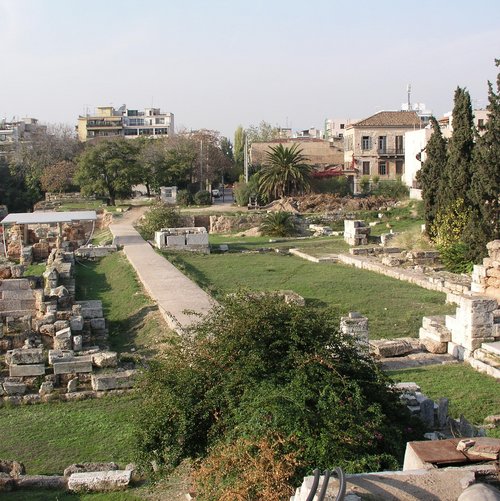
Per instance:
{"type": "Point", "coordinates": [391, 119]}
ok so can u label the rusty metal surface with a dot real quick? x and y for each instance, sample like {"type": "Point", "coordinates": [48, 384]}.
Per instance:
{"type": "Point", "coordinates": [439, 451]}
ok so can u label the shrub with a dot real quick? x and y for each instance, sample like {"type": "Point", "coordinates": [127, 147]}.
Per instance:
{"type": "Point", "coordinates": [337, 185]}
{"type": "Point", "coordinates": [243, 191]}
{"type": "Point", "coordinates": [391, 189]}
{"type": "Point", "coordinates": [184, 198]}
{"type": "Point", "coordinates": [257, 369]}
{"type": "Point", "coordinates": [448, 229]}
{"type": "Point", "coordinates": [364, 185]}
{"type": "Point", "coordinates": [159, 216]}
{"type": "Point", "coordinates": [203, 197]}
{"type": "Point", "coordinates": [279, 224]}
{"type": "Point", "coordinates": [247, 469]}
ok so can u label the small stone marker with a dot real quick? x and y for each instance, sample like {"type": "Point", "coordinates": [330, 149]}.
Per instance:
{"type": "Point", "coordinates": [99, 481]}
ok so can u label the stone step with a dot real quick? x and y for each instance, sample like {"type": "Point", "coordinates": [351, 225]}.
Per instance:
{"type": "Point", "coordinates": [17, 294]}
{"type": "Point", "coordinates": [481, 366]}
{"type": "Point", "coordinates": [487, 357]}
{"type": "Point", "coordinates": [18, 304]}
{"type": "Point", "coordinates": [435, 328]}
{"type": "Point", "coordinates": [433, 320]}
{"type": "Point", "coordinates": [493, 348]}
{"type": "Point", "coordinates": [16, 313]}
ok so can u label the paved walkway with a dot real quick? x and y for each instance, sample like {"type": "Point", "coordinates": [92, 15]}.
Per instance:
{"type": "Point", "coordinates": [172, 290]}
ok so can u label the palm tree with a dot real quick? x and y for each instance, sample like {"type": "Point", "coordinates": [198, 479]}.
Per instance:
{"type": "Point", "coordinates": [284, 172]}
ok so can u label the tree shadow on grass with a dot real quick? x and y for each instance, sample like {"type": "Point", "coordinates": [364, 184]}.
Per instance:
{"type": "Point", "coordinates": [124, 335]}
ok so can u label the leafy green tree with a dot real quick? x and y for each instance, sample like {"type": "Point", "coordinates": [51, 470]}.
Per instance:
{"type": "Point", "coordinates": [262, 132]}
{"type": "Point", "coordinates": [259, 367]}
{"type": "Point", "coordinates": [285, 172]}
{"type": "Point", "coordinates": [458, 173]}
{"type": "Point", "coordinates": [14, 193]}
{"type": "Point", "coordinates": [485, 187]}
{"type": "Point", "coordinates": [278, 224]}
{"type": "Point", "coordinates": [431, 175]}
{"type": "Point", "coordinates": [109, 168]}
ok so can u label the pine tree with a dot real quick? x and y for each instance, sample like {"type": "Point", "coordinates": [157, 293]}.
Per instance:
{"type": "Point", "coordinates": [458, 174]}
{"type": "Point", "coordinates": [485, 186]}
{"type": "Point", "coordinates": [431, 174]}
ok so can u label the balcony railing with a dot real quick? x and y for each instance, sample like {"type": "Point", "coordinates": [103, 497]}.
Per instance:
{"type": "Point", "coordinates": [391, 151]}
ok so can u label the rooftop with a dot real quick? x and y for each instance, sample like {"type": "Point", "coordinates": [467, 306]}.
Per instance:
{"type": "Point", "coordinates": [48, 217]}
{"type": "Point", "coordinates": [390, 119]}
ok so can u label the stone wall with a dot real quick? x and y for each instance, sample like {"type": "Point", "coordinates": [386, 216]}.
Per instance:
{"type": "Point", "coordinates": [486, 277]}
{"type": "Point", "coordinates": [190, 239]}
{"type": "Point", "coordinates": [228, 224]}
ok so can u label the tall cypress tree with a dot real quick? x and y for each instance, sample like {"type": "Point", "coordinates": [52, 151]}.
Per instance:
{"type": "Point", "coordinates": [460, 148]}
{"type": "Point", "coordinates": [431, 174]}
{"type": "Point", "coordinates": [485, 186]}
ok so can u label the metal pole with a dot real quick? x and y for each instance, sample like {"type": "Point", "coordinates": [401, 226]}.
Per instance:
{"type": "Point", "coordinates": [201, 165]}
{"type": "Point", "coordinates": [245, 159]}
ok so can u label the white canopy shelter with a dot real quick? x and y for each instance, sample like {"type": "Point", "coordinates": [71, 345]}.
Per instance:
{"type": "Point", "coordinates": [27, 218]}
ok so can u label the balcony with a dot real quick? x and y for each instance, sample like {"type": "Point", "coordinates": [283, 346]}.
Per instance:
{"type": "Point", "coordinates": [390, 152]}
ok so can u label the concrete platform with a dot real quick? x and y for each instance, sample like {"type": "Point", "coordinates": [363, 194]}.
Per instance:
{"type": "Point", "coordinates": [172, 290]}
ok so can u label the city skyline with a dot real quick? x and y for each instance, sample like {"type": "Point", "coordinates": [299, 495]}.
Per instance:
{"type": "Point", "coordinates": [220, 64]}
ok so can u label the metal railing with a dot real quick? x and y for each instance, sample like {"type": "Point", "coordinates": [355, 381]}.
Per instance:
{"type": "Point", "coordinates": [391, 151]}
{"type": "Point", "coordinates": [324, 487]}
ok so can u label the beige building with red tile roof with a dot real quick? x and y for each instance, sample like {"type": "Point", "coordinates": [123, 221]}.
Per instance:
{"type": "Point", "coordinates": [375, 146]}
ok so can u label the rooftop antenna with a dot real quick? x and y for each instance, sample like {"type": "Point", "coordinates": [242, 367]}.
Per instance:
{"type": "Point", "coordinates": [408, 89]}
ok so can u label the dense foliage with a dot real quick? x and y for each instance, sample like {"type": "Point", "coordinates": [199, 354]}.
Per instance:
{"type": "Point", "coordinates": [284, 172]}
{"type": "Point", "coordinates": [202, 197]}
{"type": "Point", "coordinates": [461, 183]}
{"type": "Point", "coordinates": [430, 176]}
{"type": "Point", "coordinates": [263, 370]}
{"type": "Point", "coordinates": [159, 216]}
{"type": "Point", "coordinates": [279, 224]}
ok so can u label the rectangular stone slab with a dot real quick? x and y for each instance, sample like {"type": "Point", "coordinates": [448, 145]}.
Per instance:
{"type": "Point", "coordinates": [99, 481]}
{"type": "Point", "coordinates": [73, 366]}
{"type": "Point", "coordinates": [26, 370]}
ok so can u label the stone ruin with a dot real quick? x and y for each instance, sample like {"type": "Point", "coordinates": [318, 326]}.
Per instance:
{"type": "Point", "coordinates": [35, 245]}
{"type": "Point", "coordinates": [486, 277]}
{"type": "Point", "coordinates": [472, 334]}
{"type": "Point", "coordinates": [53, 345]}
{"type": "Point", "coordinates": [190, 239]}
{"type": "Point", "coordinates": [78, 478]}
{"type": "Point", "coordinates": [356, 232]}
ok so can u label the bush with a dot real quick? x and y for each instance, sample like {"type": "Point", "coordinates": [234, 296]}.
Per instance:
{"type": "Point", "coordinates": [203, 197]}
{"type": "Point", "coordinates": [455, 257]}
{"type": "Point", "coordinates": [243, 191]}
{"type": "Point", "coordinates": [279, 224]}
{"type": "Point", "coordinates": [159, 216]}
{"type": "Point", "coordinates": [337, 185]}
{"type": "Point", "coordinates": [257, 369]}
{"type": "Point", "coordinates": [184, 198]}
{"type": "Point", "coordinates": [391, 189]}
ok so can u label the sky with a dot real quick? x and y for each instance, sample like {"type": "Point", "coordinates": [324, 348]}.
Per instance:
{"type": "Point", "coordinates": [217, 64]}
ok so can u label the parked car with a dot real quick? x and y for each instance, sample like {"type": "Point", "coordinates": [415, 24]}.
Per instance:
{"type": "Point", "coordinates": [216, 193]}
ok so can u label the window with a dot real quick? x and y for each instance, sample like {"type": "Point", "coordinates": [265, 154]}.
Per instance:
{"type": "Point", "coordinates": [382, 144]}
{"type": "Point", "coordinates": [382, 168]}
{"type": "Point", "coordinates": [400, 148]}
{"type": "Point", "coordinates": [366, 168]}
{"type": "Point", "coordinates": [342, 126]}
{"type": "Point", "coordinates": [366, 143]}
{"type": "Point", "coordinates": [480, 123]}
{"type": "Point", "coordinates": [399, 167]}
{"type": "Point", "coordinates": [160, 121]}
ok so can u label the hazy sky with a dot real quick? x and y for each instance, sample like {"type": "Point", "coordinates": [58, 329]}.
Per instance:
{"type": "Point", "coordinates": [220, 63]}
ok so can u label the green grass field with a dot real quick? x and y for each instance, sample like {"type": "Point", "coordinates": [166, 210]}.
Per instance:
{"type": "Point", "coordinates": [471, 393]}
{"type": "Point", "coordinates": [133, 319]}
{"type": "Point", "coordinates": [49, 437]}
{"type": "Point", "coordinates": [394, 308]}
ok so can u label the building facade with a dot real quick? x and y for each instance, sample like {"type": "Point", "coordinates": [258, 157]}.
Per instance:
{"type": "Point", "coordinates": [375, 146]}
{"type": "Point", "coordinates": [109, 122]}
{"type": "Point", "coordinates": [23, 130]}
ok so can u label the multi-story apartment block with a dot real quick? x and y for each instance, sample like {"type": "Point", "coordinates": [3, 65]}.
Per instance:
{"type": "Point", "coordinates": [23, 130]}
{"type": "Point", "coordinates": [335, 127]}
{"type": "Point", "coordinates": [108, 122]}
{"type": "Point", "coordinates": [375, 146]}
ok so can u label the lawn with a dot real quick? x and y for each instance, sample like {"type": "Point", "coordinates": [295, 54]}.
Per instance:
{"type": "Point", "coordinates": [471, 393]}
{"type": "Point", "coordinates": [133, 319]}
{"type": "Point", "coordinates": [394, 308]}
{"type": "Point", "coordinates": [49, 437]}
{"type": "Point", "coordinates": [318, 246]}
